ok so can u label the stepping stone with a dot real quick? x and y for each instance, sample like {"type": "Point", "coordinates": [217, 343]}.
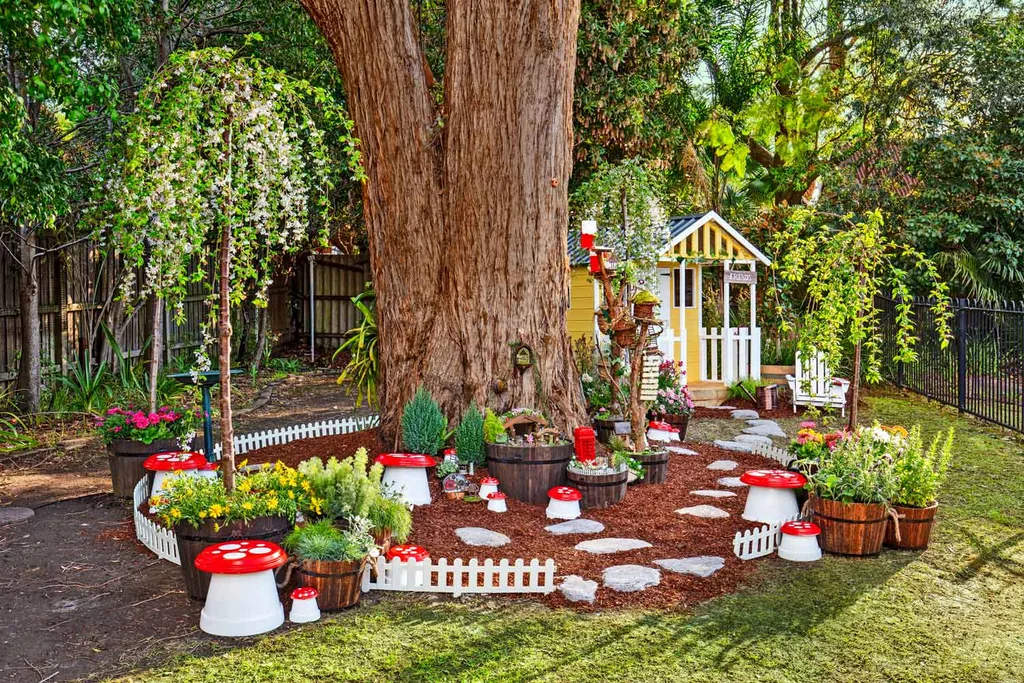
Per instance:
{"type": "Point", "coordinates": [677, 450]}
{"type": "Point", "coordinates": [755, 423]}
{"type": "Point", "coordinates": [577, 589]}
{"type": "Point", "coordinates": [711, 493]}
{"type": "Point", "coordinates": [15, 515]}
{"type": "Point", "coordinates": [576, 526]}
{"type": "Point", "coordinates": [725, 465]}
{"type": "Point", "coordinates": [604, 546]}
{"type": "Point", "coordinates": [705, 511]}
{"type": "Point", "coordinates": [753, 439]}
{"type": "Point", "coordinates": [474, 535]}
{"type": "Point", "coordinates": [630, 578]}
{"type": "Point", "coordinates": [766, 430]}
{"type": "Point", "coordinates": [720, 407]}
{"type": "Point", "coordinates": [731, 481]}
{"type": "Point", "coordinates": [702, 566]}
{"type": "Point", "coordinates": [744, 415]}
{"type": "Point", "coordinates": [737, 446]}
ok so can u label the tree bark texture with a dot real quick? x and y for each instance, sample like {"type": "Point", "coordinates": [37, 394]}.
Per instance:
{"type": "Point", "coordinates": [156, 349]}
{"type": "Point", "coordinates": [30, 383]}
{"type": "Point", "coordinates": [466, 203]}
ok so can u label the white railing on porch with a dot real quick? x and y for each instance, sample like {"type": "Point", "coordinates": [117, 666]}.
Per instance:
{"type": "Point", "coordinates": [728, 354]}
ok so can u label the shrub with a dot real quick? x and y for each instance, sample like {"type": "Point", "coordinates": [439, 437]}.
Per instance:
{"type": "Point", "coordinates": [469, 436]}
{"type": "Point", "coordinates": [645, 297]}
{"type": "Point", "coordinates": [446, 467]}
{"type": "Point", "coordinates": [326, 542]}
{"type": "Point", "coordinates": [859, 469]}
{"type": "Point", "coordinates": [494, 428]}
{"type": "Point", "coordinates": [919, 472]}
{"type": "Point", "coordinates": [340, 488]}
{"type": "Point", "coordinates": [423, 424]}
{"type": "Point", "coordinates": [390, 513]}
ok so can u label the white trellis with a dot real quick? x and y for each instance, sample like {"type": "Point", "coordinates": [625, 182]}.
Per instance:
{"type": "Point", "coordinates": [458, 577]}
{"type": "Point", "coordinates": [773, 452]}
{"type": "Point", "coordinates": [163, 541]}
{"type": "Point", "coordinates": [760, 541]}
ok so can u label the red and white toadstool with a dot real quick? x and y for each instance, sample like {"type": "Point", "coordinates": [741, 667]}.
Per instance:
{"type": "Point", "coordinates": [168, 463]}
{"type": "Point", "coordinates": [407, 474]}
{"type": "Point", "coordinates": [304, 607]}
{"type": "Point", "coordinates": [800, 542]}
{"type": "Point", "coordinates": [563, 503]}
{"type": "Point", "coordinates": [243, 594]}
{"type": "Point", "coordinates": [662, 432]}
{"type": "Point", "coordinates": [496, 502]}
{"type": "Point", "coordinates": [409, 556]}
{"type": "Point", "coordinates": [772, 496]}
{"type": "Point", "coordinates": [488, 485]}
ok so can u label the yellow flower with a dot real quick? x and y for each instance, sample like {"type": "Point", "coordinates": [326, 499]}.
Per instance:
{"type": "Point", "coordinates": [245, 486]}
{"type": "Point", "coordinates": [291, 494]}
{"type": "Point", "coordinates": [272, 504]}
{"type": "Point", "coordinates": [175, 513]}
{"type": "Point", "coordinates": [202, 514]}
{"type": "Point", "coordinates": [247, 505]}
{"type": "Point", "coordinates": [216, 510]}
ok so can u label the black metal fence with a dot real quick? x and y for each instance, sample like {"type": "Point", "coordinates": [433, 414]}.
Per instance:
{"type": "Point", "coordinates": [980, 371]}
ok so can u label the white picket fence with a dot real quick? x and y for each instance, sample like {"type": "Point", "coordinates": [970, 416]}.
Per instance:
{"type": "Point", "coordinates": [773, 452]}
{"type": "Point", "coordinates": [728, 354]}
{"type": "Point", "coordinates": [760, 541]}
{"type": "Point", "coordinates": [459, 578]}
{"type": "Point", "coordinates": [163, 542]}
{"type": "Point", "coordinates": [155, 537]}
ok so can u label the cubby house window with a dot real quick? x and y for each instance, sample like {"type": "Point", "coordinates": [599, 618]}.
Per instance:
{"type": "Point", "coordinates": [677, 290]}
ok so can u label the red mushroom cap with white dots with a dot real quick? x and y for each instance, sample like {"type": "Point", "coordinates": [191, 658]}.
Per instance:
{"type": "Point", "coordinates": [801, 529]}
{"type": "Point", "coordinates": [174, 461]}
{"type": "Point", "coordinates": [407, 553]}
{"type": "Point", "coordinates": [405, 460]}
{"type": "Point", "coordinates": [564, 493]}
{"type": "Point", "coordinates": [774, 479]}
{"type": "Point", "coordinates": [305, 593]}
{"type": "Point", "coordinates": [240, 557]}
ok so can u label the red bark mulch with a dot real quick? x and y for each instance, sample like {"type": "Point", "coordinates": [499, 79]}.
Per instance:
{"type": "Point", "coordinates": [647, 513]}
{"type": "Point", "coordinates": [782, 412]}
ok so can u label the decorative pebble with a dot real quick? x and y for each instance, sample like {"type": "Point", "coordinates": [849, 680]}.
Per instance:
{"type": "Point", "coordinates": [766, 430]}
{"type": "Point", "coordinates": [711, 493]}
{"type": "Point", "coordinates": [731, 481]}
{"type": "Point", "coordinates": [576, 526]}
{"type": "Point", "coordinates": [703, 566]}
{"type": "Point", "coordinates": [577, 589]}
{"type": "Point", "coordinates": [753, 439]}
{"type": "Point", "coordinates": [737, 446]}
{"type": "Point", "coordinates": [705, 511]}
{"type": "Point", "coordinates": [630, 578]}
{"type": "Point", "coordinates": [744, 415]}
{"type": "Point", "coordinates": [725, 465]}
{"type": "Point", "coordinates": [12, 515]}
{"type": "Point", "coordinates": [677, 450]}
{"type": "Point", "coordinates": [474, 535]}
{"type": "Point", "coordinates": [604, 546]}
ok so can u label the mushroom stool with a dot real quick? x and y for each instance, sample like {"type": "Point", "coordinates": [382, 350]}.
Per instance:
{"type": "Point", "coordinates": [409, 555]}
{"type": "Point", "coordinates": [496, 502]}
{"type": "Point", "coordinates": [564, 502]}
{"type": "Point", "coordinates": [407, 474]}
{"type": "Point", "coordinates": [800, 542]}
{"type": "Point", "coordinates": [772, 496]}
{"type": "Point", "coordinates": [166, 464]}
{"type": "Point", "coordinates": [662, 431]}
{"type": "Point", "coordinates": [304, 607]}
{"type": "Point", "coordinates": [210, 470]}
{"type": "Point", "coordinates": [243, 594]}
{"type": "Point", "coordinates": [488, 485]}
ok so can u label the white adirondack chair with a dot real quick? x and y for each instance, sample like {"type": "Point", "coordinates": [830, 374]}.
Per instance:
{"type": "Point", "coordinates": [814, 384]}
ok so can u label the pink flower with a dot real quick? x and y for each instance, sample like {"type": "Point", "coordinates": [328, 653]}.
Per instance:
{"type": "Point", "coordinates": [140, 421]}
{"type": "Point", "coordinates": [116, 429]}
{"type": "Point", "coordinates": [808, 424]}
{"type": "Point", "coordinates": [113, 411]}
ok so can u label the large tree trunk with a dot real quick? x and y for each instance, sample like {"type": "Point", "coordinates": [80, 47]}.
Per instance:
{"type": "Point", "coordinates": [30, 366]}
{"type": "Point", "coordinates": [466, 205]}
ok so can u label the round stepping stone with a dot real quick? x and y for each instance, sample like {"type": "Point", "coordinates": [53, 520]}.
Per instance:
{"type": "Point", "coordinates": [15, 515]}
{"type": "Point", "coordinates": [744, 415]}
{"type": "Point", "coordinates": [604, 546]}
{"type": "Point", "coordinates": [705, 511]}
{"type": "Point", "coordinates": [677, 450]}
{"type": "Point", "coordinates": [711, 493]}
{"type": "Point", "coordinates": [724, 465]}
{"type": "Point", "coordinates": [576, 526]}
{"type": "Point", "coordinates": [702, 566]}
{"type": "Point", "coordinates": [736, 446]}
{"type": "Point", "coordinates": [577, 589]}
{"type": "Point", "coordinates": [474, 535]}
{"type": "Point", "coordinates": [630, 578]}
{"type": "Point", "coordinates": [766, 430]}
{"type": "Point", "coordinates": [753, 439]}
{"type": "Point", "coordinates": [755, 423]}
{"type": "Point", "coordinates": [731, 481]}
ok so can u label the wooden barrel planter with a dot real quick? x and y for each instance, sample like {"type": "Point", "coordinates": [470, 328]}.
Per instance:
{"type": "Point", "coordinates": [339, 582]}
{"type": "Point", "coordinates": [915, 527]}
{"type": "Point", "coordinates": [680, 422]}
{"type": "Point", "coordinates": [527, 473]}
{"type": "Point", "coordinates": [192, 540]}
{"type": "Point", "coordinates": [599, 490]}
{"type": "Point", "coordinates": [655, 467]}
{"type": "Point", "coordinates": [607, 429]}
{"type": "Point", "coordinates": [849, 528]}
{"type": "Point", "coordinates": [126, 458]}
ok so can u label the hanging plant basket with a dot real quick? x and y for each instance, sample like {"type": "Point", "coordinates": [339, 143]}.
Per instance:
{"type": "Point", "coordinates": [624, 334]}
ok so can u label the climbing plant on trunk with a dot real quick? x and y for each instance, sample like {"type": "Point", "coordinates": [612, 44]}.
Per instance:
{"type": "Point", "coordinates": [226, 162]}
{"type": "Point", "coordinates": [465, 205]}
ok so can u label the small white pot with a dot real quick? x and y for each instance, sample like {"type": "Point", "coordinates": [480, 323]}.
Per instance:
{"type": "Point", "coordinates": [304, 611]}
{"type": "Point", "coordinates": [799, 548]}
{"type": "Point", "coordinates": [497, 505]}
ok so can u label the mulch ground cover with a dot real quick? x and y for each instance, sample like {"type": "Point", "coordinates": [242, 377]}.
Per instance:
{"type": "Point", "coordinates": [782, 412]}
{"type": "Point", "coordinates": [647, 513]}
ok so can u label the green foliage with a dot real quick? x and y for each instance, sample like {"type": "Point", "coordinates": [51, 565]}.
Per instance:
{"type": "Point", "coordinates": [494, 428]}
{"type": "Point", "coordinates": [919, 472]}
{"type": "Point", "coordinates": [469, 436]}
{"type": "Point", "coordinates": [325, 542]}
{"type": "Point", "coordinates": [390, 513]}
{"type": "Point", "coordinates": [859, 469]}
{"type": "Point", "coordinates": [288, 365]}
{"type": "Point", "coordinates": [363, 366]}
{"type": "Point", "coordinates": [423, 424]}
{"type": "Point", "coordinates": [741, 389]}
{"type": "Point", "coordinates": [645, 297]}
{"type": "Point", "coordinates": [86, 387]}
{"type": "Point", "coordinates": [341, 488]}
{"type": "Point", "coordinates": [13, 434]}
{"type": "Point", "coordinates": [623, 459]}
{"type": "Point", "coordinates": [446, 467]}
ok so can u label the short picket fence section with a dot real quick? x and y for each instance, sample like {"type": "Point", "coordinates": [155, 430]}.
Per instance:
{"type": "Point", "coordinates": [162, 541]}
{"type": "Point", "coordinates": [772, 452]}
{"type": "Point", "coordinates": [459, 578]}
{"type": "Point", "coordinates": [759, 542]}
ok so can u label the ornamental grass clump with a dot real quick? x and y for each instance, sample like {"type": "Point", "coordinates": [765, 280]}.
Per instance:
{"type": "Point", "coordinates": [340, 488]}
{"type": "Point", "coordinates": [920, 472]}
{"type": "Point", "coordinates": [323, 541]}
{"type": "Point", "coordinates": [388, 512]}
{"type": "Point", "coordinates": [423, 424]}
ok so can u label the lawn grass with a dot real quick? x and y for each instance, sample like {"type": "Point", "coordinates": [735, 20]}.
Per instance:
{"type": "Point", "coordinates": [952, 613]}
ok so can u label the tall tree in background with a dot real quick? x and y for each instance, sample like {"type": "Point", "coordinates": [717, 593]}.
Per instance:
{"type": "Point", "coordinates": [466, 199]}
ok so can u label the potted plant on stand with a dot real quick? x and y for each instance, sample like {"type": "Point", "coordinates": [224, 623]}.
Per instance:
{"type": "Point", "coordinates": [673, 404]}
{"type": "Point", "coordinates": [643, 304]}
{"type": "Point", "coordinates": [919, 474]}
{"type": "Point", "coordinates": [331, 559]}
{"type": "Point", "coordinates": [132, 435]}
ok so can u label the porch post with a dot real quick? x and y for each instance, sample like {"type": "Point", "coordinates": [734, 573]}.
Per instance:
{"type": "Point", "coordinates": [755, 331]}
{"type": "Point", "coordinates": [728, 367]}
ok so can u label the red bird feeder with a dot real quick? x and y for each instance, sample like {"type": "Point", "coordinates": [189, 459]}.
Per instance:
{"type": "Point", "coordinates": [595, 263]}
{"type": "Point", "coordinates": [584, 439]}
{"type": "Point", "coordinates": [587, 234]}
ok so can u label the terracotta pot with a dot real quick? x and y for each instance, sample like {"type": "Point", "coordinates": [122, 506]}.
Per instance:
{"type": "Point", "coordinates": [849, 528]}
{"type": "Point", "coordinates": [126, 458]}
{"type": "Point", "coordinates": [915, 527]}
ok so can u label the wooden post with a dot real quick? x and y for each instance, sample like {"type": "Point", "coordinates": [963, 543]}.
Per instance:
{"type": "Point", "coordinates": [727, 359]}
